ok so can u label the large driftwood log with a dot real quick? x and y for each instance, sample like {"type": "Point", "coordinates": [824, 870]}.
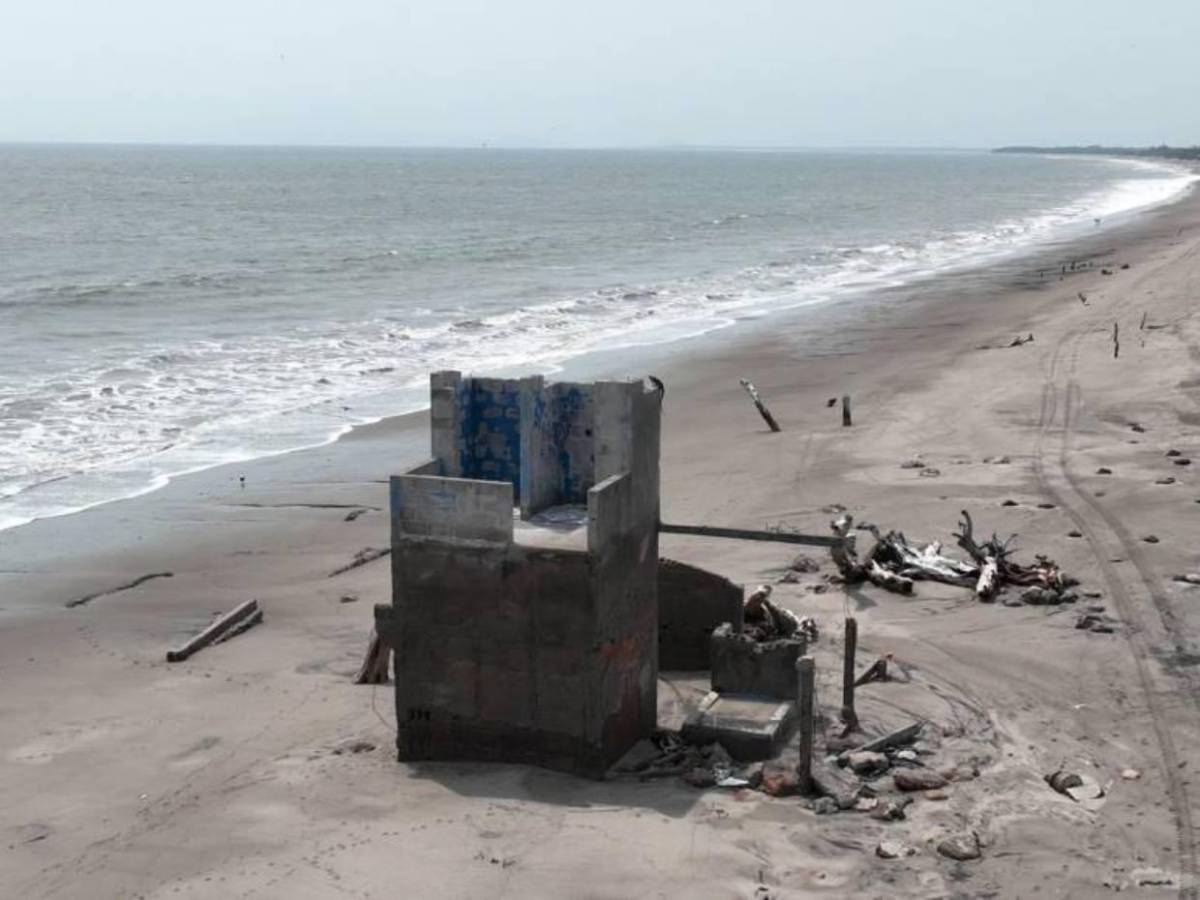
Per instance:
{"type": "Point", "coordinates": [233, 623]}
{"type": "Point", "coordinates": [762, 407]}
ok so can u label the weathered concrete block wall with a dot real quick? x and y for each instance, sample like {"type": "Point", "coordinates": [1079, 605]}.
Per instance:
{"type": "Point", "coordinates": [556, 452]}
{"type": "Point", "coordinates": [492, 644]}
{"type": "Point", "coordinates": [691, 603]}
{"type": "Point", "coordinates": [476, 426]}
{"type": "Point", "coordinates": [624, 562]}
{"type": "Point", "coordinates": [424, 505]}
{"type": "Point", "coordinates": [742, 665]}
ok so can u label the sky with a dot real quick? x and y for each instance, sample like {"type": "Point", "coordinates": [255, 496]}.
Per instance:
{"type": "Point", "coordinates": [558, 73]}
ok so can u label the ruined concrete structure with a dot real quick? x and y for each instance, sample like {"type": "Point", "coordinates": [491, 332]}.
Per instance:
{"type": "Point", "coordinates": [532, 639]}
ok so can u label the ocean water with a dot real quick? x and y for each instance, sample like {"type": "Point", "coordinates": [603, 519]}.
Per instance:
{"type": "Point", "coordinates": [167, 309]}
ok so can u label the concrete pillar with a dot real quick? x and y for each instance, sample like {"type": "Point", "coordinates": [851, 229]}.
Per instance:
{"type": "Point", "coordinates": [806, 679]}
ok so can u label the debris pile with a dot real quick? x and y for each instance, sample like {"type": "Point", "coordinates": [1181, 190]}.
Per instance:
{"type": "Point", "coordinates": [891, 562]}
{"type": "Point", "coordinates": [764, 621]}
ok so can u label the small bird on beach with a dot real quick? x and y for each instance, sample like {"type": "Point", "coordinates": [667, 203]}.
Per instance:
{"type": "Point", "coordinates": [242, 481]}
{"type": "Point", "coordinates": [1083, 298]}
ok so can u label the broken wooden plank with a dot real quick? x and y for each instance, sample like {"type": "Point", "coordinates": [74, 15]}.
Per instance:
{"type": "Point", "coordinates": [749, 534]}
{"type": "Point", "coordinates": [762, 408]}
{"type": "Point", "coordinates": [905, 735]}
{"type": "Point", "coordinates": [241, 618]}
{"type": "Point", "coordinates": [361, 558]}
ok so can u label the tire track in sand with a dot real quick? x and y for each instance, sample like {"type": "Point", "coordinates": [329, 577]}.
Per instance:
{"type": "Point", "coordinates": [1129, 587]}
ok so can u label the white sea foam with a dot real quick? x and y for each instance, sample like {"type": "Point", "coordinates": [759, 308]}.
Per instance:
{"type": "Point", "coordinates": [101, 430]}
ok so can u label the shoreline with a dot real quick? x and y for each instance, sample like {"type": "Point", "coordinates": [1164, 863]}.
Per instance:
{"type": "Point", "coordinates": [865, 295]}
{"type": "Point", "coordinates": [125, 775]}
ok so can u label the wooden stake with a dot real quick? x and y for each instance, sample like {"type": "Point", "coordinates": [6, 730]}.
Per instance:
{"type": "Point", "coordinates": [376, 663]}
{"type": "Point", "coordinates": [232, 623]}
{"type": "Point", "coordinates": [806, 678]}
{"type": "Point", "coordinates": [845, 410]}
{"type": "Point", "coordinates": [849, 717]}
{"type": "Point", "coordinates": [1116, 342]}
{"type": "Point", "coordinates": [762, 409]}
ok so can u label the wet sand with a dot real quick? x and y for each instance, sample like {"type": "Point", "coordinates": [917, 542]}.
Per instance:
{"type": "Point", "coordinates": [231, 774]}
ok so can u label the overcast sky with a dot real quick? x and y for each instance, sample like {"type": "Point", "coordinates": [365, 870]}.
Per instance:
{"type": "Point", "coordinates": [962, 73]}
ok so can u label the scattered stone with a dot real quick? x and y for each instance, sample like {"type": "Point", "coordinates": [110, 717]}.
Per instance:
{"type": "Point", "coordinates": [918, 780]}
{"type": "Point", "coordinates": [824, 806]}
{"type": "Point", "coordinates": [1183, 462]}
{"type": "Point", "coordinates": [1074, 534]}
{"type": "Point", "coordinates": [1165, 480]}
{"type": "Point", "coordinates": [1189, 578]}
{"type": "Point", "coordinates": [936, 795]}
{"type": "Point", "coordinates": [817, 588]}
{"type": "Point", "coordinates": [1103, 470]}
{"type": "Point", "coordinates": [1174, 452]}
{"type": "Point", "coordinates": [866, 804]}
{"type": "Point", "coordinates": [779, 782]}
{"type": "Point", "coordinates": [961, 847]}
{"type": "Point", "coordinates": [1011, 600]}
{"type": "Point", "coordinates": [1131, 774]}
{"type": "Point", "coordinates": [1010, 503]}
{"type": "Point", "coordinates": [866, 762]}
{"type": "Point", "coordinates": [1045, 506]}
{"type": "Point", "coordinates": [930, 472]}
{"type": "Point", "coordinates": [1138, 428]}
{"type": "Point", "coordinates": [893, 850]}
{"type": "Point", "coordinates": [700, 777]}
{"type": "Point", "coordinates": [907, 755]}
{"type": "Point", "coordinates": [1063, 781]}
{"type": "Point", "coordinates": [891, 810]}
{"type": "Point", "coordinates": [1002, 461]}
{"type": "Point", "coordinates": [1151, 539]}
{"type": "Point", "coordinates": [962, 773]}
{"type": "Point", "coordinates": [912, 464]}
{"type": "Point", "coordinates": [348, 598]}
{"type": "Point", "coordinates": [804, 563]}
{"type": "Point", "coordinates": [790, 577]}
{"type": "Point", "coordinates": [1040, 596]}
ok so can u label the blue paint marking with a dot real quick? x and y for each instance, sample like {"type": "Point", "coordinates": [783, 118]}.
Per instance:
{"type": "Point", "coordinates": [490, 434]}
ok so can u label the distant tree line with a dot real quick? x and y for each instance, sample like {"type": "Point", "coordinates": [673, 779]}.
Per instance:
{"type": "Point", "coordinates": [1162, 151]}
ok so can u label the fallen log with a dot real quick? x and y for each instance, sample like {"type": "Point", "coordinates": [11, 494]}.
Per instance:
{"type": "Point", "coordinates": [760, 406]}
{"type": "Point", "coordinates": [233, 623]}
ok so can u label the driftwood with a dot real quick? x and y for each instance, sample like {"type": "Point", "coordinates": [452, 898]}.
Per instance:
{"type": "Point", "coordinates": [758, 403]}
{"type": "Point", "coordinates": [905, 735]}
{"type": "Point", "coordinates": [855, 570]}
{"type": "Point", "coordinates": [877, 671]}
{"type": "Point", "coordinates": [893, 563]}
{"type": "Point", "coordinates": [376, 663]}
{"type": "Point", "coordinates": [229, 625]}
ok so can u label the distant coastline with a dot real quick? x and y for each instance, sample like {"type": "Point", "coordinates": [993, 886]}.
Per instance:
{"type": "Point", "coordinates": [1160, 152]}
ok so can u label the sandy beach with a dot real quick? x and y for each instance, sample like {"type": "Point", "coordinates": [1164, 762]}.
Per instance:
{"type": "Point", "coordinates": [258, 769]}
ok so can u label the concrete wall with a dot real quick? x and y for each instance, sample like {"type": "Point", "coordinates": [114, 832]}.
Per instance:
{"type": "Point", "coordinates": [742, 665]}
{"type": "Point", "coordinates": [691, 603]}
{"type": "Point", "coordinates": [424, 505]}
{"type": "Point", "coordinates": [492, 644]}
{"type": "Point", "coordinates": [556, 454]}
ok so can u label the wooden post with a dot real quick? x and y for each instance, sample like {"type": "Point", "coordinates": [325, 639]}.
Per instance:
{"type": "Point", "coordinates": [376, 663]}
{"type": "Point", "coordinates": [806, 679]}
{"type": "Point", "coordinates": [845, 410]}
{"type": "Point", "coordinates": [762, 408]}
{"type": "Point", "coordinates": [1116, 342]}
{"type": "Point", "coordinates": [849, 717]}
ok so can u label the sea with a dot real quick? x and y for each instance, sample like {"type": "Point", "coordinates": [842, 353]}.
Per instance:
{"type": "Point", "coordinates": [168, 309]}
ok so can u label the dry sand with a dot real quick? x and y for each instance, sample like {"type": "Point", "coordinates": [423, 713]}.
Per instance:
{"type": "Point", "coordinates": [236, 774]}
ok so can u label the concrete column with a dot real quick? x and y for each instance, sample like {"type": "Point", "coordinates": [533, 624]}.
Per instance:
{"type": "Point", "coordinates": [805, 701]}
